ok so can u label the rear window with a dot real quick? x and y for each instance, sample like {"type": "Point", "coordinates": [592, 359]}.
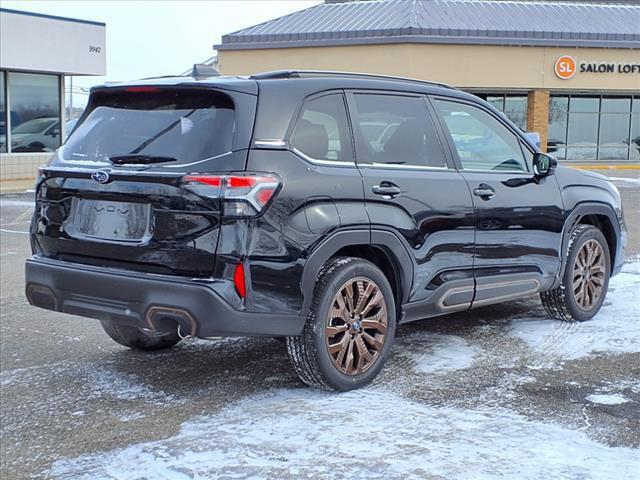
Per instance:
{"type": "Point", "coordinates": [189, 125]}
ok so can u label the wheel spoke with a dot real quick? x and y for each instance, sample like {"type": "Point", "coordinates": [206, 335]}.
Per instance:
{"type": "Point", "coordinates": [364, 294]}
{"type": "Point", "coordinates": [349, 363]}
{"type": "Point", "coordinates": [375, 301]}
{"type": "Point", "coordinates": [349, 297]}
{"type": "Point", "coordinates": [374, 325]}
{"type": "Point", "coordinates": [333, 330]}
{"type": "Point", "coordinates": [374, 342]}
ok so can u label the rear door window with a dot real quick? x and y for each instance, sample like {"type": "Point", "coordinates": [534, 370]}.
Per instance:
{"type": "Point", "coordinates": [187, 124]}
{"type": "Point", "coordinates": [322, 130]}
{"type": "Point", "coordinates": [395, 130]}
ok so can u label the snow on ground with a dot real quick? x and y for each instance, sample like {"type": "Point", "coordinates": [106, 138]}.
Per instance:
{"type": "Point", "coordinates": [375, 433]}
{"type": "Point", "coordinates": [439, 354]}
{"type": "Point", "coordinates": [607, 399]}
{"type": "Point", "coordinates": [362, 434]}
{"type": "Point", "coordinates": [625, 179]}
{"type": "Point", "coordinates": [616, 328]}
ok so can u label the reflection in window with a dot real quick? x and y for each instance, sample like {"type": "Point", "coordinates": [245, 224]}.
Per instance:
{"type": "Point", "coordinates": [482, 142]}
{"type": "Point", "coordinates": [589, 128]}
{"type": "Point", "coordinates": [394, 129]}
{"type": "Point", "coordinates": [557, 136]}
{"type": "Point", "coordinates": [3, 115]}
{"type": "Point", "coordinates": [635, 136]}
{"type": "Point", "coordinates": [513, 106]}
{"type": "Point", "coordinates": [34, 112]}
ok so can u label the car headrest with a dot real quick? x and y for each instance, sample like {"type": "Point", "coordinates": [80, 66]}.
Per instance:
{"type": "Point", "coordinates": [311, 139]}
{"type": "Point", "coordinates": [406, 143]}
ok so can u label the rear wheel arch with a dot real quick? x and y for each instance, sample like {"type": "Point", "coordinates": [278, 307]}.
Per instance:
{"type": "Point", "coordinates": [382, 248]}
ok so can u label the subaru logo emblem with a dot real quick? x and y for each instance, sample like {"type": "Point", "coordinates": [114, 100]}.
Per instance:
{"type": "Point", "coordinates": [100, 176]}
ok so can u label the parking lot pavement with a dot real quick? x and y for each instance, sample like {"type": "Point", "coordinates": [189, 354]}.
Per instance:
{"type": "Point", "coordinates": [499, 391]}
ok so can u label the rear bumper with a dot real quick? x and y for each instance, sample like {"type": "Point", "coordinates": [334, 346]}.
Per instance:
{"type": "Point", "coordinates": [156, 302]}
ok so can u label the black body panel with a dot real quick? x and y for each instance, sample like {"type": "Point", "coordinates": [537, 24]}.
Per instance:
{"type": "Point", "coordinates": [447, 249]}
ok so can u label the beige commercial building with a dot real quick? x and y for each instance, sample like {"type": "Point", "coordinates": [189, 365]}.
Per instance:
{"type": "Point", "coordinates": [569, 71]}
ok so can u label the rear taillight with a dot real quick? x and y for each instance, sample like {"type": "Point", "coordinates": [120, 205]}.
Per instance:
{"type": "Point", "coordinates": [242, 195]}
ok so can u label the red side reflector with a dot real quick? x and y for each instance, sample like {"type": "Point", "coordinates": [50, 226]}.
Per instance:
{"type": "Point", "coordinates": [141, 89]}
{"type": "Point", "coordinates": [239, 281]}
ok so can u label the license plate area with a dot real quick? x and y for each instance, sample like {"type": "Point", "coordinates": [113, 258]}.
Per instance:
{"type": "Point", "coordinates": [107, 221]}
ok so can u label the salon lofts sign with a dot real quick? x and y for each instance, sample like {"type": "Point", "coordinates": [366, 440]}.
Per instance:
{"type": "Point", "coordinates": [566, 67]}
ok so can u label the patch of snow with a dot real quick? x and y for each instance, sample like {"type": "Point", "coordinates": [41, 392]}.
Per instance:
{"type": "Point", "coordinates": [607, 399]}
{"type": "Point", "coordinates": [616, 328]}
{"type": "Point", "coordinates": [360, 434]}
{"type": "Point", "coordinates": [624, 179]}
{"type": "Point", "coordinates": [438, 354]}
{"type": "Point", "coordinates": [16, 203]}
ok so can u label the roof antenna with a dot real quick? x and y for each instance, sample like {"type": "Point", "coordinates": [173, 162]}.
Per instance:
{"type": "Point", "coordinates": [200, 70]}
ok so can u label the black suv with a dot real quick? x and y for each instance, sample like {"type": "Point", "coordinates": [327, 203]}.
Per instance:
{"type": "Point", "coordinates": [326, 208]}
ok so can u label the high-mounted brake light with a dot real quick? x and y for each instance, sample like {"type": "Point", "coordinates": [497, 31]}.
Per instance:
{"type": "Point", "coordinates": [242, 195]}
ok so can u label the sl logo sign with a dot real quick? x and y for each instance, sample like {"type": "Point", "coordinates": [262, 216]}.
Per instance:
{"type": "Point", "coordinates": [565, 67]}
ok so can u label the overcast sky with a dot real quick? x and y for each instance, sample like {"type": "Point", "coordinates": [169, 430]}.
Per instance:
{"type": "Point", "coordinates": [148, 38]}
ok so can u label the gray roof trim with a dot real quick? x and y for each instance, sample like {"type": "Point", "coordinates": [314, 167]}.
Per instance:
{"type": "Point", "coordinates": [447, 21]}
{"type": "Point", "coordinates": [527, 42]}
{"type": "Point", "coordinates": [52, 17]}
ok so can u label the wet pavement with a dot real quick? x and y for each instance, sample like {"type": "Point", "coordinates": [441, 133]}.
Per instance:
{"type": "Point", "coordinates": [500, 390]}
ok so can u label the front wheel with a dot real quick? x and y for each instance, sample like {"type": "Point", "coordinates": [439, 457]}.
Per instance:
{"type": "Point", "coordinates": [350, 327]}
{"type": "Point", "coordinates": [139, 339]}
{"type": "Point", "coordinates": [585, 280]}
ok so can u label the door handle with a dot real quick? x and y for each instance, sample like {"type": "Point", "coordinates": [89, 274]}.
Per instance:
{"type": "Point", "coordinates": [386, 188]}
{"type": "Point", "coordinates": [484, 191]}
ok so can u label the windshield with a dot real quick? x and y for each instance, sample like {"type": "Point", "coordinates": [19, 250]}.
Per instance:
{"type": "Point", "coordinates": [187, 124]}
{"type": "Point", "coordinates": [34, 126]}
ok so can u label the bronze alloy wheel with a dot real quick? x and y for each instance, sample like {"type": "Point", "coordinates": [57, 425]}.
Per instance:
{"type": "Point", "coordinates": [589, 272]}
{"type": "Point", "coordinates": [356, 326]}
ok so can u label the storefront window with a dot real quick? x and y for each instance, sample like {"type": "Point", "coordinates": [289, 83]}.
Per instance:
{"type": "Point", "coordinates": [34, 112]}
{"type": "Point", "coordinates": [594, 128]}
{"type": "Point", "coordinates": [513, 106]}
{"type": "Point", "coordinates": [557, 136]}
{"type": "Point", "coordinates": [3, 115]}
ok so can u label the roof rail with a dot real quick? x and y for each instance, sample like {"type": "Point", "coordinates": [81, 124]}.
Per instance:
{"type": "Point", "coordinates": [320, 73]}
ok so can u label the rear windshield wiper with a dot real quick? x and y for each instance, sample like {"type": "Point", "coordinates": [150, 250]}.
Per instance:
{"type": "Point", "coordinates": [137, 158]}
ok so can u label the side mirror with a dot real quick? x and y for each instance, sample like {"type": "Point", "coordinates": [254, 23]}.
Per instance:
{"type": "Point", "coordinates": [543, 164]}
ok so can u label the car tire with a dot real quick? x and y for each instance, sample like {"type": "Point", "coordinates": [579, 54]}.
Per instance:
{"type": "Point", "coordinates": [585, 279]}
{"type": "Point", "coordinates": [350, 327]}
{"type": "Point", "coordinates": [138, 339]}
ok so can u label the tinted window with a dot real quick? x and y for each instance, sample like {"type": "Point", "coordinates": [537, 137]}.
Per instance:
{"type": "Point", "coordinates": [396, 130]}
{"type": "Point", "coordinates": [187, 125]}
{"type": "Point", "coordinates": [482, 142]}
{"type": "Point", "coordinates": [322, 131]}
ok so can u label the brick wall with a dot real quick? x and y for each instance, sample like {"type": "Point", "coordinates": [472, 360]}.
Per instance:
{"type": "Point", "coordinates": [538, 115]}
{"type": "Point", "coordinates": [22, 165]}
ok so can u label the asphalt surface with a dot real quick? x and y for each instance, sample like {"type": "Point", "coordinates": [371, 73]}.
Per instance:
{"type": "Point", "coordinates": [72, 399]}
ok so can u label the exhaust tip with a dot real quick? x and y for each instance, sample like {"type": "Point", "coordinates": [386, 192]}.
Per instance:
{"type": "Point", "coordinates": [161, 318]}
{"type": "Point", "coordinates": [41, 296]}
